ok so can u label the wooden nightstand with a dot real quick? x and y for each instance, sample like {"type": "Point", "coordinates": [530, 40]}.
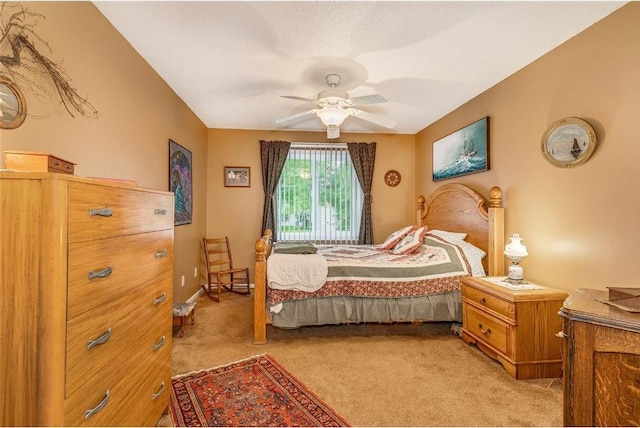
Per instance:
{"type": "Point", "coordinates": [516, 327]}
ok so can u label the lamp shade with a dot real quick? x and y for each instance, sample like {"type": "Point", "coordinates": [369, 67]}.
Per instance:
{"type": "Point", "coordinates": [332, 116]}
{"type": "Point", "coordinates": [515, 247]}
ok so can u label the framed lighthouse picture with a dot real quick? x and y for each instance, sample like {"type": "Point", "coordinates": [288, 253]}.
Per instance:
{"type": "Point", "coordinates": [568, 142]}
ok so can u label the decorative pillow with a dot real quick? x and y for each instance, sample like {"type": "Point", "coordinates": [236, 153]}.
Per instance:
{"type": "Point", "coordinates": [411, 242]}
{"type": "Point", "coordinates": [395, 237]}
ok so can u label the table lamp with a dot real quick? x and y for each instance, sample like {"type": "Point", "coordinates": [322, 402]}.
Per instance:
{"type": "Point", "coordinates": [515, 251]}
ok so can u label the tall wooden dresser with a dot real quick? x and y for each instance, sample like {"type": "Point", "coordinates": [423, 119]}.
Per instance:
{"type": "Point", "coordinates": [601, 354]}
{"type": "Point", "coordinates": [86, 269]}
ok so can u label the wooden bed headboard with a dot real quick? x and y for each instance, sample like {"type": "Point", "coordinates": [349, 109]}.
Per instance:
{"type": "Point", "coordinates": [458, 208]}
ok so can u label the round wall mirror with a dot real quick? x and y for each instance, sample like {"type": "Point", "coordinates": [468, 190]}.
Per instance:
{"type": "Point", "coordinates": [13, 109]}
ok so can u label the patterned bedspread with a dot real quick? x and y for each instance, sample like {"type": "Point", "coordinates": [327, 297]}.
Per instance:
{"type": "Point", "coordinates": [366, 271]}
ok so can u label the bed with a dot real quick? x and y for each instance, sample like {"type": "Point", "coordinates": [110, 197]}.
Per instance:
{"type": "Point", "coordinates": [402, 291]}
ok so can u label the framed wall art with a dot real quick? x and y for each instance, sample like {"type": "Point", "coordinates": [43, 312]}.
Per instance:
{"type": "Point", "coordinates": [568, 142]}
{"type": "Point", "coordinates": [180, 182]}
{"type": "Point", "coordinates": [13, 109]}
{"type": "Point", "coordinates": [237, 176]}
{"type": "Point", "coordinates": [463, 152]}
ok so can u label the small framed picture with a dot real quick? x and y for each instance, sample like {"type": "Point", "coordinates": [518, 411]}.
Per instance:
{"type": "Point", "coordinates": [237, 176]}
{"type": "Point", "coordinates": [568, 142]}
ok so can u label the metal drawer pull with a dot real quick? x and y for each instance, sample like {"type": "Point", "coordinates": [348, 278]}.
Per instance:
{"type": "Point", "coordinates": [159, 393]}
{"type": "Point", "coordinates": [483, 301]}
{"type": "Point", "coordinates": [160, 299]}
{"type": "Point", "coordinates": [103, 212]}
{"type": "Point", "coordinates": [561, 335]}
{"type": "Point", "coordinates": [99, 341]}
{"type": "Point", "coordinates": [99, 407]}
{"type": "Point", "coordinates": [102, 273]}
{"type": "Point", "coordinates": [158, 211]}
{"type": "Point", "coordinates": [487, 331]}
{"type": "Point", "coordinates": [159, 344]}
{"type": "Point", "coordinates": [160, 254]}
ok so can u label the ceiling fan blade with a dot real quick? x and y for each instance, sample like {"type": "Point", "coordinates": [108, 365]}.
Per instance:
{"type": "Point", "coordinates": [368, 99]}
{"type": "Point", "coordinates": [292, 97]}
{"type": "Point", "coordinates": [373, 118]}
{"type": "Point", "coordinates": [295, 116]}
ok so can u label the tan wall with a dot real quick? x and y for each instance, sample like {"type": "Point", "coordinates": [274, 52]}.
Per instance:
{"type": "Point", "coordinates": [580, 225]}
{"type": "Point", "coordinates": [137, 114]}
{"type": "Point", "coordinates": [237, 212]}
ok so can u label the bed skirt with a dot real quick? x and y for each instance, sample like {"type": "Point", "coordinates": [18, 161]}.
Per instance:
{"type": "Point", "coordinates": [352, 310]}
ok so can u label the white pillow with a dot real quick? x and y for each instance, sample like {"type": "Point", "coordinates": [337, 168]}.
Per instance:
{"type": "Point", "coordinates": [445, 234]}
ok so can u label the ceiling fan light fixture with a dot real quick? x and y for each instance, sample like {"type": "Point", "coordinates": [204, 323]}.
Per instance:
{"type": "Point", "coordinates": [333, 131]}
{"type": "Point", "coordinates": [332, 115]}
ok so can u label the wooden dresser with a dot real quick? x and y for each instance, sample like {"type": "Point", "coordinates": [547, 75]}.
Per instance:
{"type": "Point", "coordinates": [515, 327]}
{"type": "Point", "coordinates": [601, 362]}
{"type": "Point", "coordinates": [86, 271]}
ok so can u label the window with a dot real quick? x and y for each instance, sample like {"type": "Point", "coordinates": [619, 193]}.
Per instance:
{"type": "Point", "coordinates": [319, 197]}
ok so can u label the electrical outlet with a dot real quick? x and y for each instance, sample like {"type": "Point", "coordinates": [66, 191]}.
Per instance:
{"type": "Point", "coordinates": [195, 272]}
{"type": "Point", "coordinates": [182, 281]}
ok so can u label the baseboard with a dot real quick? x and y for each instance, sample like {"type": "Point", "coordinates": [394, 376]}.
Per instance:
{"type": "Point", "coordinates": [197, 294]}
{"type": "Point", "coordinates": [200, 292]}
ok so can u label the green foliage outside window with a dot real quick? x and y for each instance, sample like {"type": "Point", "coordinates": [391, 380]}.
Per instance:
{"type": "Point", "coordinates": [334, 182]}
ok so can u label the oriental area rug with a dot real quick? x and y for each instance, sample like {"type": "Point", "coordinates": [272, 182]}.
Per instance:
{"type": "Point", "coordinates": [253, 392]}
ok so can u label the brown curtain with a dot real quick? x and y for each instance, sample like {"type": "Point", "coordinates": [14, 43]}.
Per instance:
{"type": "Point", "coordinates": [363, 156]}
{"type": "Point", "coordinates": [273, 155]}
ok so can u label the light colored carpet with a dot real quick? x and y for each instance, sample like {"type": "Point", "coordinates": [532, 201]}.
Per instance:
{"type": "Point", "coordinates": [375, 375]}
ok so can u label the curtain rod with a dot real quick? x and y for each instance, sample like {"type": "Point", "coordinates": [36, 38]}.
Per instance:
{"type": "Point", "coordinates": [318, 145]}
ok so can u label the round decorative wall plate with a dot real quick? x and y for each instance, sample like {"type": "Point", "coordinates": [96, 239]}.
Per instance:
{"type": "Point", "coordinates": [13, 109]}
{"type": "Point", "coordinates": [568, 142]}
{"type": "Point", "coordinates": [392, 178]}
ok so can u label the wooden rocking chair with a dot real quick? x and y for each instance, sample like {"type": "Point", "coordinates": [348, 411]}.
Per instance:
{"type": "Point", "coordinates": [220, 271]}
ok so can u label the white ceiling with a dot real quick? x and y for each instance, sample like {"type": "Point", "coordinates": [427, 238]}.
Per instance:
{"type": "Point", "coordinates": [232, 61]}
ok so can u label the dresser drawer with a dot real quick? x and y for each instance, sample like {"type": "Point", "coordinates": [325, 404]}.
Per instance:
{"type": "Point", "coordinates": [502, 307]}
{"type": "Point", "coordinates": [488, 329]}
{"type": "Point", "coordinates": [102, 270]}
{"type": "Point", "coordinates": [153, 387]}
{"type": "Point", "coordinates": [97, 211]}
{"type": "Point", "coordinates": [120, 335]}
{"type": "Point", "coordinates": [131, 386]}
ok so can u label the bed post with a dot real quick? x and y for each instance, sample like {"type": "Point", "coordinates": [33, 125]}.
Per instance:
{"type": "Point", "coordinates": [496, 232]}
{"type": "Point", "coordinates": [420, 211]}
{"type": "Point", "coordinates": [260, 289]}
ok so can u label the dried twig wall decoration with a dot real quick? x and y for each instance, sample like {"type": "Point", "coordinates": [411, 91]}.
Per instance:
{"type": "Point", "coordinates": [18, 36]}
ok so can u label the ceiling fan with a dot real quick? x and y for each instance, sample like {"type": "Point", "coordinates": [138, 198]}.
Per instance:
{"type": "Point", "coordinates": [334, 106]}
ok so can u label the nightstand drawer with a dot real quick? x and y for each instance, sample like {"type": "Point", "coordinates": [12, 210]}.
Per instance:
{"type": "Point", "coordinates": [502, 307]}
{"type": "Point", "coordinates": [490, 330]}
